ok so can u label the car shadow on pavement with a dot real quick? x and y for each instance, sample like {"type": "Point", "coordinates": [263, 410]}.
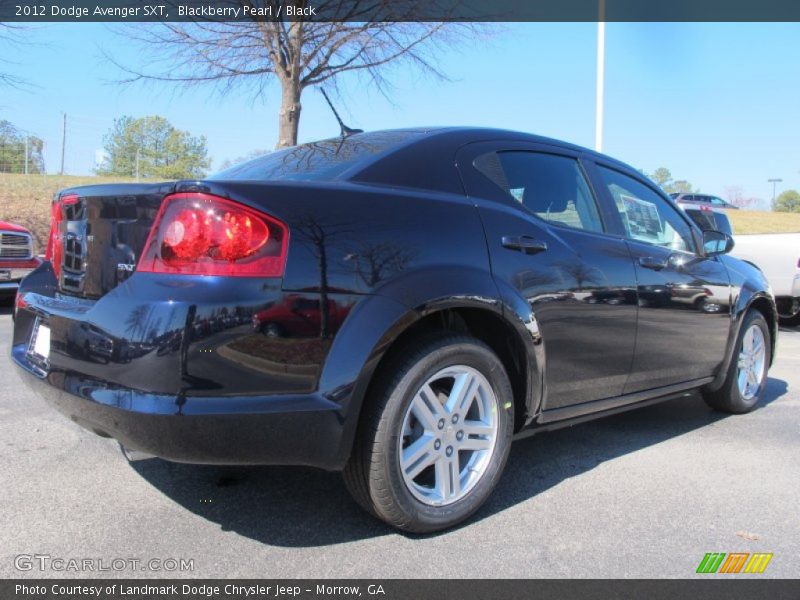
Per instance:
{"type": "Point", "coordinates": [304, 507]}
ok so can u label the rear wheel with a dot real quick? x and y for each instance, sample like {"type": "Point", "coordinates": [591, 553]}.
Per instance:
{"type": "Point", "coordinates": [747, 375]}
{"type": "Point", "coordinates": [436, 437]}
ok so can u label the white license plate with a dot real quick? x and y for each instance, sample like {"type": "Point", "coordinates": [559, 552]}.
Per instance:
{"type": "Point", "coordinates": [41, 341]}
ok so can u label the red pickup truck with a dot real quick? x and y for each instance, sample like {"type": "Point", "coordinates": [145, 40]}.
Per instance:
{"type": "Point", "coordinates": [17, 257]}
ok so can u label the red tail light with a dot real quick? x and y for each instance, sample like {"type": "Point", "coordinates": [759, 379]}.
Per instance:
{"type": "Point", "coordinates": [201, 234]}
{"type": "Point", "coordinates": [55, 241]}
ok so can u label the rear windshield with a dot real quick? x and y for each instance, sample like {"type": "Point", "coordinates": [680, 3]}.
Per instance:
{"type": "Point", "coordinates": [326, 159]}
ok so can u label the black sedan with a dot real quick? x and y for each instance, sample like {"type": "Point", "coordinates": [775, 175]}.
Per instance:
{"type": "Point", "coordinates": [437, 292]}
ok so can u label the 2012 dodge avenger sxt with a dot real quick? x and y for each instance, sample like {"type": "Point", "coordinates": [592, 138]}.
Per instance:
{"type": "Point", "coordinates": [397, 305]}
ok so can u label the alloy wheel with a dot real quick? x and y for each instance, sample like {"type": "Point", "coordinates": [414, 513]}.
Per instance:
{"type": "Point", "coordinates": [752, 362]}
{"type": "Point", "coordinates": [449, 434]}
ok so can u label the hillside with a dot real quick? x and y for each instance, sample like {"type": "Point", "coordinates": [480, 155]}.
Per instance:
{"type": "Point", "coordinates": [25, 199]}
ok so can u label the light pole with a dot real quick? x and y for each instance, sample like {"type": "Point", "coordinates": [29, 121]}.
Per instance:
{"type": "Point", "coordinates": [601, 60]}
{"type": "Point", "coordinates": [774, 182]}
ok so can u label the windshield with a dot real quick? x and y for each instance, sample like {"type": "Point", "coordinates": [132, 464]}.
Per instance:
{"type": "Point", "coordinates": [323, 160]}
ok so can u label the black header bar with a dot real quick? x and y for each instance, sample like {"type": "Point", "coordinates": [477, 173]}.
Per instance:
{"type": "Point", "coordinates": [398, 10]}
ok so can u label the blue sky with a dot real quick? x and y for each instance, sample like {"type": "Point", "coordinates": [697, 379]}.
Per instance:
{"type": "Point", "coordinates": [717, 104]}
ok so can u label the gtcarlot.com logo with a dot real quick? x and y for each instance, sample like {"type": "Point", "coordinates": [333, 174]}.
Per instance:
{"type": "Point", "coordinates": [734, 562]}
{"type": "Point", "coordinates": [46, 562]}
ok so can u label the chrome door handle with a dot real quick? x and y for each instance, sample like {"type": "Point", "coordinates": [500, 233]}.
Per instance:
{"type": "Point", "coordinates": [651, 262]}
{"type": "Point", "coordinates": [524, 243]}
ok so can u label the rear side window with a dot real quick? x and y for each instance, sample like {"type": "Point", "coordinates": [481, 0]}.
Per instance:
{"type": "Point", "coordinates": [550, 186]}
{"type": "Point", "coordinates": [322, 160]}
{"type": "Point", "coordinates": [646, 216]}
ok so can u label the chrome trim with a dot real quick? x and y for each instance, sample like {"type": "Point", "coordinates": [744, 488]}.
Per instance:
{"type": "Point", "coordinates": [6, 247]}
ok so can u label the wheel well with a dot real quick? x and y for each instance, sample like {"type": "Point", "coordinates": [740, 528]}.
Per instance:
{"type": "Point", "coordinates": [764, 306]}
{"type": "Point", "coordinates": [486, 326]}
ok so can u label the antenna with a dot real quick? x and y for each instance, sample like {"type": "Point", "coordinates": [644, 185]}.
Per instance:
{"type": "Point", "coordinates": [345, 130]}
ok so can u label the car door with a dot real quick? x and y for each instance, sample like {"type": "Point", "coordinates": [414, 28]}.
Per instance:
{"type": "Point", "coordinates": [548, 244]}
{"type": "Point", "coordinates": [683, 296]}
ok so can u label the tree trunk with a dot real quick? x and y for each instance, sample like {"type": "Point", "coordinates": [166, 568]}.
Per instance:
{"type": "Point", "coordinates": [289, 116]}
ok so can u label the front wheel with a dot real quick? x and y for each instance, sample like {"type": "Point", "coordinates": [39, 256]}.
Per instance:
{"type": "Point", "coordinates": [746, 379]}
{"type": "Point", "coordinates": [435, 439]}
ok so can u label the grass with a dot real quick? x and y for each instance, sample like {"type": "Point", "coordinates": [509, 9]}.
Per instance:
{"type": "Point", "coordinates": [756, 221]}
{"type": "Point", "coordinates": [25, 200]}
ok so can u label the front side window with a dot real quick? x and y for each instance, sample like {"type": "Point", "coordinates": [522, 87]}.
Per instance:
{"type": "Point", "coordinates": [550, 186]}
{"type": "Point", "coordinates": [646, 216]}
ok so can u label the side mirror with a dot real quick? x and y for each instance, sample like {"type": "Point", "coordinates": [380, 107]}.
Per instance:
{"type": "Point", "coordinates": [716, 242]}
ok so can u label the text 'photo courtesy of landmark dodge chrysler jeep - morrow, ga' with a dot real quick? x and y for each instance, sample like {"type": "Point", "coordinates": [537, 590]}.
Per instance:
{"type": "Point", "coordinates": [397, 305]}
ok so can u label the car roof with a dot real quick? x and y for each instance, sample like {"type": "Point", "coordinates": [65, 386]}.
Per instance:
{"type": "Point", "coordinates": [434, 148]}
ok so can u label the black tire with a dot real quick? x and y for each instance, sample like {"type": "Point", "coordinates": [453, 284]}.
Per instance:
{"type": "Point", "coordinates": [787, 321]}
{"type": "Point", "coordinates": [373, 474]}
{"type": "Point", "coordinates": [272, 330]}
{"type": "Point", "coordinates": [728, 398]}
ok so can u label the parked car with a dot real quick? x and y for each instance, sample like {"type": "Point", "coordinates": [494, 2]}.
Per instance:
{"type": "Point", "coordinates": [469, 258]}
{"type": "Point", "coordinates": [297, 316]}
{"type": "Point", "coordinates": [17, 257]}
{"type": "Point", "coordinates": [714, 201]}
{"type": "Point", "coordinates": [779, 261]}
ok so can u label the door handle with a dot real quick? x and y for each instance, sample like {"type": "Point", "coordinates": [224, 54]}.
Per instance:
{"type": "Point", "coordinates": [524, 243]}
{"type": "Point", "coordinates": [651, 262]}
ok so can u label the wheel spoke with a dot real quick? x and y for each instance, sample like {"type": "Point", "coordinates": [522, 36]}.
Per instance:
{"type": "Point", "coordinates": [752, 376]}
{"type": "Point", "coordinates": [441, 485]}
{"type": "Point", "coordinates": [471, 428]}
{"type": "Point", "coordinates": [462, 394]}
{"type": "Point", "coordinates": [418, 456]}
{"type": "Point", "coordinates": [427, 408]}
{"type": "Point", "coordinates": [453, 487]}
{"type": "Point", "coordinates": [475, 444]}
{"type": "Point", "coordinates": [742, 360]}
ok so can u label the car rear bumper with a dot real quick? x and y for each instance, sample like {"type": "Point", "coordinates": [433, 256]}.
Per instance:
{"type": "Point", "coordinates": [171, 367]}
{"type": "Point", "coordinates": [13, 272]}
{"type": "Point", "coordinates": [271, 430]}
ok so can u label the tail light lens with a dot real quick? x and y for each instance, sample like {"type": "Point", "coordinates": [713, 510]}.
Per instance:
{"type": "Point", "coordinates": [55, 241]}
{"type": "Point", "coordinates": [201, 234]}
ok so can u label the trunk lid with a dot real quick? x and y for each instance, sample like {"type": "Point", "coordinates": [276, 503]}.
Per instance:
{"type": "Point", "coordinates": [104, 232]}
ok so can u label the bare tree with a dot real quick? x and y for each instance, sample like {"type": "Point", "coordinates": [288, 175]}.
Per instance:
{"type": "Point", "coordinates": [735, 196]}
{"type": "Point", "coordinates": [298, 54]}
{"type": "Point", "coordinates": [9, 36]}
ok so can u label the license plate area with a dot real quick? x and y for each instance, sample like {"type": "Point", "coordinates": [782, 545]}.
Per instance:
{"type": "Point", "coordinates": [39, 345]}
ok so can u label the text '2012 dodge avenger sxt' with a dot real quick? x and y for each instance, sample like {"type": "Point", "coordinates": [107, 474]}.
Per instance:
{"type": "Point", "coordinates": [397, 305]}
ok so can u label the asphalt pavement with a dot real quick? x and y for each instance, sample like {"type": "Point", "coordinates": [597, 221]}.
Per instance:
{"type": "Point", "coordinates": [643, 494]}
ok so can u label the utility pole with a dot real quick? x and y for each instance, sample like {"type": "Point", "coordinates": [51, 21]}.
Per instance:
{"type": "Point", "coordinates": [138, 151]}
{"type": "Point", "coordinates": [601, 60]}
{"type": "Point", "coordinates": [26, 154]}
{"type": "Point", "coordinates": [774, 182]}
{"type": "Point", "coordinates": [63, 142]}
